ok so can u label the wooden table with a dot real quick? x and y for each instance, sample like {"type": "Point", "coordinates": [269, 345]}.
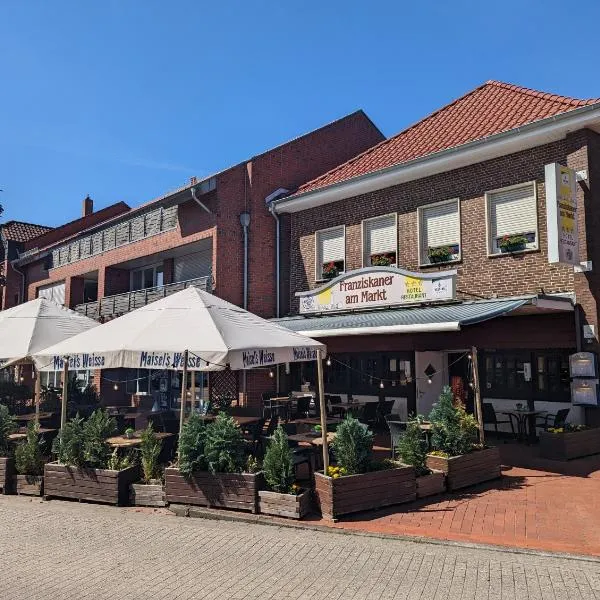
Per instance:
{"type": "Point", "coordinates": [317, 421]}
{"type": "Point", "coordinates": [313, 440]}
{"type": "Point", "coordinates": [120, 441]}
{"type": "Point", "coordinates": [27, 418]}
{"type": "Point", "coordinates": [22, 434]}
{"type": "Point", "coordinates": [241, 420]}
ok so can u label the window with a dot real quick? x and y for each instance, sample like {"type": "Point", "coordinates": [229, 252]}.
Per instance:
{"type": "Point", "coordinates": [54, 292]}
{"type": "Point", "coordinates": [538, 375]}
{"type": "Point", "coordinates": [512, 219]}
{"type": "Point", "coordinates": [380, 240]}
{"type": "Point", "coordinates": [330, 252]}
{"type": "Point", "coordinates": [439, 232]}
{"type": "Point", "coordinates": [53, 379]}
{"type": "Point", "coordinates": [148, 277]}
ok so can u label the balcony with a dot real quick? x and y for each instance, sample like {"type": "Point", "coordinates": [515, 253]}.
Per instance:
{"type": "Point", "coordinates": [111, 307]}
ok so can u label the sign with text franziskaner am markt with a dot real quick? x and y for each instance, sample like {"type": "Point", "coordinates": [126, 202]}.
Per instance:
{"type": "Point", "coordinates": [374, 287]}
{"type": "Point", "coordinates": [561, 214]}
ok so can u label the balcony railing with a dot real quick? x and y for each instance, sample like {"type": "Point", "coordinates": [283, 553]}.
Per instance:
{"type": "Point", "coordinates": [110, 307]}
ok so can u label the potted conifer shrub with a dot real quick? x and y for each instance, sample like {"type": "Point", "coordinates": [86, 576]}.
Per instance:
{"type": "Point", "coordinates": [356, 483]}
{"type": "Point", "coordinates": [85, 468]}
{"type": "Point", "coordinates": [455, 449]}
{"type": "Point", "coordinates": [412, 450]}
{"type": "Point", "coordinates": [150, 491]}
{"type": "Point", "coordinates": [211, 467]}
{"type": "Point", "coordinates": [7, 426]}
{"type": "Point", "coordinates": [283, 498]}
{"type": "Point", "coordinates": [29, 463]}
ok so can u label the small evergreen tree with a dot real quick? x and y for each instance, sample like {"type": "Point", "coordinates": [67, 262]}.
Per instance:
{"type": "Point", "coordinates": [412, 447]}
{"type": "Point", "coordinates": [68, 446]}
{"type": "Point", "coordinates": [28, 455]}
{"type": "Point", "coordinates": [453, 431]}
{"type": "Point", "coordinates": [98, 427]}
{"type": "Point", "coordinates": [224, 446]}
{"type": "Point", "coordinates": [7, 426]}
{"type": "Point", "coordinates": [278, 465]}
{"type": "Point", "coordinates": [191, 446]}
{"type": "Point", "coordinates": [353, 446]}
{"type": "Point", "coordinates": [150, 448]}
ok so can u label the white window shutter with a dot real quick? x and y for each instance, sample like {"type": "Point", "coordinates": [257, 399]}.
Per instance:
{"type": "Point", "coordinates": [513, 211]}
{"type": "Point", "coordinates": [440, 225]}
{"type": "Point", "coordinates": [380, 235]}
{"type": "Point", "coordinates": [330, 245]}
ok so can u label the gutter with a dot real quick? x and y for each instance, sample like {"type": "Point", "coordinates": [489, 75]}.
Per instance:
{"type": "Point", "coordinates": [520, 138]}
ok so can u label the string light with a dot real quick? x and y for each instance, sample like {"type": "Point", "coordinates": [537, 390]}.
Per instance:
{"type": "Point", "coordinates": [271, 374]}
{"type": "Point", "coordinates": [381, 384]}
{"type": "Point", "coordinates": [21, 379]}
{"type": "Point", "coordinates": [328, 361]}
{"type": "Point", "coordinates": [429, 380]}
{"type": "Point", "coordinates": [116, 387]}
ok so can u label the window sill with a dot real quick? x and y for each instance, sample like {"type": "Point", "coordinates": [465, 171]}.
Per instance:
{"type": "Point", "coordinates": [505, 254]}
{"type": "Point", "coordinates": [328, 280]}
{"type": "Point", "coordinates": [456, 261]}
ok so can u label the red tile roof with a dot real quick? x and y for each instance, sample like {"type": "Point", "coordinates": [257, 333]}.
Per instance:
{"type": "Point", "coordinates": [491, 108]}
{"type": "Point", "coordinates": [18, 231]}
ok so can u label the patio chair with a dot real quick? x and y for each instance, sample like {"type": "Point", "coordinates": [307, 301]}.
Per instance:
{"type": "Point", "coordinates": [302, 455]}
{"type": "Point", "coordinates": [397, 430]}
{"type": "Point", "coordinates": [268, 431]}
{"type": "Point", "coordinates": [490, 418]}
{"type": "Point", "coordinates": [369, 413]}
{"type": "Point", "coordinates": [384, 409]}
{"type": "Point", "coordinates": [552, 420]}
{"type": "Point", "coordinates": [253, 434]}
{"type": "Point", "coordinates": [303, 406]}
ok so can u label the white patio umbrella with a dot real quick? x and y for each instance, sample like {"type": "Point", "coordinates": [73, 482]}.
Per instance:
{"type": "Point", "coordinates": [191, 330]}
{"type": "Point", "coordinates": [28, 328]}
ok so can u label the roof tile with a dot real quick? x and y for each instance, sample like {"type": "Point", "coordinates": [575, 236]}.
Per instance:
{"type": "Point", "coordinates": [489, 109]}
{"type": "Point", "coordinates": [18, 231]}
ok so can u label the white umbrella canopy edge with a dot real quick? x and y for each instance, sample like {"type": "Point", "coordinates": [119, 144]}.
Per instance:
{"type": "Point", "coordinates": [215, 333]}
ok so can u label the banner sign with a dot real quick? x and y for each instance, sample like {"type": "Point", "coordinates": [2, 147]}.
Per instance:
{"type": "Point", "coordinates": [214, 361]}
{"type": "Point", "coordinates": [561, 215]}
{"type": "Point", "coordinates": [374, 287]}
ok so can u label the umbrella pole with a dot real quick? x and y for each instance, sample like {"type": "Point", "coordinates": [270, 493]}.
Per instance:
{"type": "Point", "coordinates": [37, 395]}
{"type": "Point", "coordinates": [323, 410]}
{"type": "Point", "coordinates": [183, 392]}
{"type": "Point", "coordinates": [477, 389]}
{"type": "Point", "coordinates": [193, 390]}
{"type": "Point", "coordinates": [65, 393]}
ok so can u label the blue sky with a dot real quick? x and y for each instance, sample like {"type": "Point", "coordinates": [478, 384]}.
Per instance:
{"type": "Point", "coordinates": [125, 100]}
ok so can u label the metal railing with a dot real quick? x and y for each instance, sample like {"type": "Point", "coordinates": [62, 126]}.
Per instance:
{"type": "Point", "coordinates": [115, 306]}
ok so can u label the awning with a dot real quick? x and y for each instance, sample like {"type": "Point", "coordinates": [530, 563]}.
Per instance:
{"type": "Point", "coordinates": [446, 317]}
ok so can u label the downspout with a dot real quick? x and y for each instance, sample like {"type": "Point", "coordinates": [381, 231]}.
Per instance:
{"type": "Point", "coordinates": [196, 199]}
{"type": "Point", "coordinates": [22, 298]}
{"type": "Point", "coordinates": [245, 222]}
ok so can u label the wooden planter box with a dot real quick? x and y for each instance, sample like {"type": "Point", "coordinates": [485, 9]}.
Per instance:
{"type": "Point", "coordinates": [7, 468]}
{"type": "Point", "coordinates": [367, 491]}
{"type": "Point", "coordinates": [148, 494]}
{"type": "Point", "coordinates": [221, 490]}
{"type": "Point", "coordinates": [573, 444]}
{"type": "Point", "coordinates": [30, 485]}
{"type": "Point", "coordinates": [468, 469]}
{"type": "Point", "coordinates": [284, 505]}
{"type": "Point", "coordinates": [95, 485]}
{"type": "Point", "coordinates": [430, 485]}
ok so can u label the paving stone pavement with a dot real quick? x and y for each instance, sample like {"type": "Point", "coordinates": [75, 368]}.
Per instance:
{"type": "Point", "coordinates": [64, 550]}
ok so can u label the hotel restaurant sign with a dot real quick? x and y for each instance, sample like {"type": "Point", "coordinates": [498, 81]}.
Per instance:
{"type": "Point", "coordinates": [374, 287]}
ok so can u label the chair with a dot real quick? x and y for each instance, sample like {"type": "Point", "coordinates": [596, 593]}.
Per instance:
{"type": "Point", "coordinates": [370, 413]}
{"type": "Point", "coordinates": [490, 418]}
{"type": "Point", "coordinates": [397, 430]}
{"type": "Point", "coordinates": [268, 431]}
{"type": "Point", "coordinates": [253, 435]}
{"type": "Point", "coordinates": [301, 456]}
{"type": "Point", "coordinates": [303, 406]}
{"type": "Point", "coordinates": [384, 409]}
{"type": "Point", "coordinates": [558, 420]}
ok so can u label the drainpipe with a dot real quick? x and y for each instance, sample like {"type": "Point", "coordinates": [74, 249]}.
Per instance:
{"type": "Point", "coordinates": [269, 200]}
{"type": "Point", "coordinates": [245, 221]}
{"type": "Point", "coordinates": [201, 204]}
{"type": "Point", "coordinates": [22, 299]}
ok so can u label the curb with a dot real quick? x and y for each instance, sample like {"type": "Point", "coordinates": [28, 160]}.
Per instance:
{"type": "Point", "coordinates": [214, 514]}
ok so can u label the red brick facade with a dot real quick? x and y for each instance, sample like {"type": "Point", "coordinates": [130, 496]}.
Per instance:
{"type": "Point", "coordinates": [478, 275]}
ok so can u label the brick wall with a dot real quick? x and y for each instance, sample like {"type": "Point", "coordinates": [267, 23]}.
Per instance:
{"type": "Point", "coordinates": [478, 275]}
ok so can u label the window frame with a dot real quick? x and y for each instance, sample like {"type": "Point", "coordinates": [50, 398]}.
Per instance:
{"type": "Point", "coordinates": [492, 249]}
{"type": "Point", "coordinates": [420, 214]}
{"type": "Point", "coordinates": [362, 238]}
{"type": "Point", "coordinates": [319, 270]}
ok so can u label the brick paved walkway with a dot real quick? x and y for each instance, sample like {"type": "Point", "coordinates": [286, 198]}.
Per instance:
{"type": "Point", "coordinates": [540, 504]}
{"type": "Point", "coordinates": [67, 551]}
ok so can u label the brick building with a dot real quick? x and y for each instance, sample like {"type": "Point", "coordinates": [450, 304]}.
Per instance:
{"type": "Point", "coordinates": [436, 240]}
{"type": "Point", "coordinates": [217, 232]}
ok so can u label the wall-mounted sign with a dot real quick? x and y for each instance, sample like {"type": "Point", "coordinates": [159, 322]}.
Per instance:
{"type": "Point", "coordinates": [561, 214]}
{"type": "Point", "coordinates": [374, 287]}
{"type": "Point", "coordinates": [585, 392]}
{"type": "Point", "coordinates": [582, 364]}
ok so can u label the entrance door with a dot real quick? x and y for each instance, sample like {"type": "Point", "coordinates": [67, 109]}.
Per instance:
{"type": "Point", "coordinates": [430, 366]}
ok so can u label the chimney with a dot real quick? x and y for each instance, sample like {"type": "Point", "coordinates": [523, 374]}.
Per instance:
{"type": "Point", "coordinates": [88, 206]}
{"type": "Point", "coordinates": [193, 180]}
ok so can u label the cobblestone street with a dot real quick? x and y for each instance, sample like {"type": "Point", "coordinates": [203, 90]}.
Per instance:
{"type": "Point", "coordinates": [63, 550]}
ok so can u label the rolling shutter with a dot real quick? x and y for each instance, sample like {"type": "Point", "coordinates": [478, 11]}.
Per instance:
{"type": "Point", "coordinates": [380, 235]}
{"type": "Point", "coordinates": [513, 211]}
{"type": "Point", "coordinates": [54, 292]}
{"type": "Point", "coordinates": [330, 245]}
{"type": "Point", "coordinates": [440, 225]}
{"type": "Point", "coordinates": [192, 266]}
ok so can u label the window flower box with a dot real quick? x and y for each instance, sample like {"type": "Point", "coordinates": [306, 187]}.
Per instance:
{"type": "Point", "coordinates": [512, 243]}
{"type": "Point", "coordinates": [566, 445]}
{"type": "Point", "coordinates": [95, 485]}
{"type": "Point", "coordinates": [366, 491]}
{"type": "Point", "coordinates": [220, 490]}
{"type": "Point", "coordinates": [332, 269]}
{"type": "Point", "coordinates": [386, 259]}
{"type": "Point", "coordinates": [467, 469]}
{"type": "Point", "coordinates": [440, 254]}
{"type": "Point", "coordinates": [7, 468]}
{"type": "Point", "coordinates": [293, 506]}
